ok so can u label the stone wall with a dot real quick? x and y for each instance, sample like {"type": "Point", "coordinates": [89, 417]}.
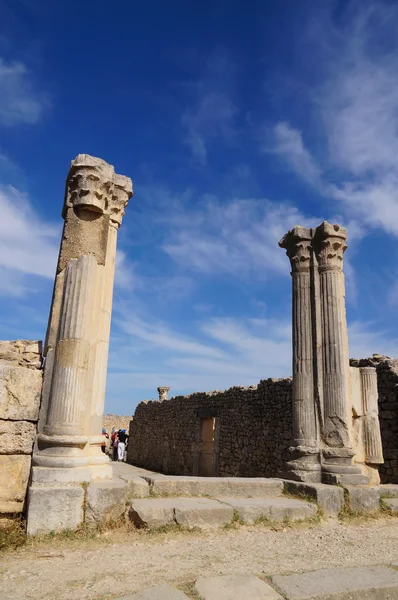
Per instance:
{"type": "Point", "coordinates": [118, 421]}
{"type": "Point", "coordinates": [253, 430]}
{"type": "Point", "coordinates": [387, 383]}
{"type": "Point", "coordinates": [20, 392]}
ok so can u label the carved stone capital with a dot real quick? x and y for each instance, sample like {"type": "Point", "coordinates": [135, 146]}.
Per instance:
{"type": "Point", "coordinates": [297, 243]}
{"type": "Point", "coordinates": [89, 184]}
{"type": "Point", "coordinates": [122, 192]}
{"type": "Point", "coordinates": [163, 392]}
{"type": "Point", "coordinates": [329, 245]}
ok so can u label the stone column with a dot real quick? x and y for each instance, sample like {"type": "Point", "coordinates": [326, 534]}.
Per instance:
{"type": "Point", "coordinates": [163, 393]}
{"type": "Point", "coordinates": [305, 465]}
{"type": "Point", "coordinates": [72, 324]}
{"type": "Point", "coordinates": [371, 426]}
{"type": "Point", "coordinates": [98, 461]}
{"type": "Point", "coordinates": [329, 244]}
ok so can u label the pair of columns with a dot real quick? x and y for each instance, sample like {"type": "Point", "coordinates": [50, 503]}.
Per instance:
{"type": "Point", "coordinates": [78, 332]}
{"type": "Point", "coordinates": [322, 446]}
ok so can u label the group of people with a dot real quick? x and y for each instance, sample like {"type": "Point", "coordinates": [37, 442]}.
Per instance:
{"type": "Point", "coordinates": [118, 443]}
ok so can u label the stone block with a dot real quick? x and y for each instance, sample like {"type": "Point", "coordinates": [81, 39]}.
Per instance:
{"type": "Point", "coordinates": [389, 489]}
{"type": "Point", "coordinates": [49, 476]}
{"type": "Point", "coordinates": [158, 592]}
{"type": "Point", "coordinates": [14, 477]}
{"type": "Point", "coordinates": [365, 499]}
{"type": "Point", "coordinates": [201, 512]}
{"type": "Point", "coordinates": [274, 509]}
{"type": "Point", "coordinates": [346, 583]}
{"type": "Point", "coordinates": [17, 437]}
{"type": "Point", "coordinates": [137, 487]}
{"type": "Point", "coordinates": [392, 504]}
{"type": "Point", "coordinates": [54, 508]}
{"type": "Point", "coordinates": [20, 391]}
{"type": "Point", "coordinates": [215, 486]}
{"type": "Point", "coordinates": [235, 587]}
{"type": "Point", "coordinates": [106, 500]}
{"type": "Point", "coordinates": [152, 513]}
{"type": "Point", "coordinates": [329, 498]}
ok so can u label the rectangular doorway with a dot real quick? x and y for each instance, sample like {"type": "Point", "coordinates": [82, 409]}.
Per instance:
{"type": "Point", "coordinates": [207, 450]}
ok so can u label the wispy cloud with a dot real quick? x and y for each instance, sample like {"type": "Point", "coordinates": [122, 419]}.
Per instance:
{"type": "Point", "coordinates": [235, 237]}
{"type": "Point", "coordinates": [213, 111]}
{"type": "Point", "coordinates": [28, 244]}
{"type": "Point", "coordinates": [20, 99]}
{"type": "Point", "coordinates": [356, 105]}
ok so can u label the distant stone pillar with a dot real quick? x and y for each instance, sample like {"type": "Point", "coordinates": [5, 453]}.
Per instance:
{"type": "Point", "coordinates": [163, 393]}
{"type": "Point", "coordinates": [99, 461]}
{"type": "Point", "coordinates": [305, 465]}
{"type": "Point", "coordinates": [371, 426]}
{"type": "Point", "coordinates": [329, 244]}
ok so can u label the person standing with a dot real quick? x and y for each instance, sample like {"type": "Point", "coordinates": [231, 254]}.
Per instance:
{"type": "Point", "coordinates": [114, 443]}
{"type": "Point", "coordinates": [122, 437]}
{"type": "Point", "coordinates": [106, 436]}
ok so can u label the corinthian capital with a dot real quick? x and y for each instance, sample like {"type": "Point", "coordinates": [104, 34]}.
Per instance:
{"type": "Point", "coordinates": [89, 184]}
{"type": "Point", "coordinates": [122, 192]}
{"type": "Point", "coordinates": [297, 243]}
{"type": "Point", "coordinates": [329, 245]}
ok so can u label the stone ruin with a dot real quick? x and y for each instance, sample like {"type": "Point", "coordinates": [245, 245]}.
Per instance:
{"type": "Point", "coordinates": [336, 432]}
{"type": "Point", "coordinates": [320, 426]}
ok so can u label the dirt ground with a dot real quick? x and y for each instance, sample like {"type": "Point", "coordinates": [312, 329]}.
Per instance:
{"type": "Point", "coordinates": [120, 563]}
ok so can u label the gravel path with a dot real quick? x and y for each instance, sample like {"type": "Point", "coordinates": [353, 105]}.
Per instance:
{"type": "Point", "coordinates": [120, 563]}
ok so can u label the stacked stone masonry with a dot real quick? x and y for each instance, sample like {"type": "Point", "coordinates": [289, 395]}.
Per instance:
{"type": "Point", "coordinates": [253, 427]}
{"type": "Point", "coordinates": [20, 391]}
{"type": "Point", "coordinates": [253, 430]}
{"type": "Point", "coordinates": [387, 384]}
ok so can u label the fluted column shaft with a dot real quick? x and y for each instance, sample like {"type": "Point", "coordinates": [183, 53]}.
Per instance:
{"type": "Point", "coordinates": [305, 464]}
{"type": "Point", "coordinates": [371, 426]}
{"type": "Point", "coordinates": [329, 244]}
{"type": "Point", "coordinates": [64, 432]}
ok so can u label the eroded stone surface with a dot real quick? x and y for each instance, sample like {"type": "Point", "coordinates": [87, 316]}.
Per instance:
{"type": "Point", "coordinates": [158, 592]}
{"type": "Point", "coordinates": [20, 390]}
{"type": "Point", "coordinates": [235, 587]}
{"type": "Point", "coordinates": [216, 486]}
{"type": "Point", "coordinates": [352, 583]}
{"type": "Point", "coordinates": [54, 508]}
{"type": "Point", "coordinates": [106, 500]}
{"type": "Point", "coordinates": [152, 513]}
{"type": "Point", "coordinates": [16, 437]}
{"type": "Point", "coordinates": [392, 504]}
{"type": "Point", "coordinates": [274, 509]}
{"type": "Point", "coordinates": [201, 512]}
{"type": "Point", "coordinates": [329, 498]}
{"type": "Point", "coordinates": [364, 499]}
{"type": "Point", "coordinates": [14, 476]}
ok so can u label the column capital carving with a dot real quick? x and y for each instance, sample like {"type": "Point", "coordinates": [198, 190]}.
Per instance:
{"type": "Point", "coordinates": [122, 192]}
{"type": "Point", "coordinates": [329, 245]}
{"type": "Point", "coordinates": [297, 243]}
{"type": "Point", "coordinates": [89, 184]}
{"type": "Point", "coordinates": [163, 392]}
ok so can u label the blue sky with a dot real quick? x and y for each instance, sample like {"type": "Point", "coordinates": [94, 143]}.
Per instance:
{"type": "Point", "coordinates": [236, 121]}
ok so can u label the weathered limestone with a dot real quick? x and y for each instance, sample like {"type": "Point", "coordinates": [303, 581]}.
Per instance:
{"type": "Point", "coordinates": [235, 587]}
{"type": "Point", "coordinates": [17, 437]}
{"type": "Point", "coordinates": [329, 246]}
{"type": "Point", "coordinates": [20, 390]}
{"type": "Point", "coordinates": [273, 509]}
{"type": "Point", "coordinates": [305, 465]}
{"type": "Point", "coordinates": [163, 393]}
{"type": "Point", "coordinates": [328, 396]}
{"type": "Point", "coordinates": [350, 583]}
{"type": "Point", "coordinates": [78, 331]}
{"type": "Point", "coordinates": [14, 476]}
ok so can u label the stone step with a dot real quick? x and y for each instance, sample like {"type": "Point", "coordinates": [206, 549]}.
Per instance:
{"type": "Point", "coordinates": [235, 587]}
{"type": "Point", "coordinates": [206, 513]}
{"type": "Point", "coordinates": [274, 509]}
{"type": "Point", "coordinates": [173, 485]}
{"type": "Point", "coordinates": [350, 583]}
{"type": "Point", "coordinates": [392, 504]}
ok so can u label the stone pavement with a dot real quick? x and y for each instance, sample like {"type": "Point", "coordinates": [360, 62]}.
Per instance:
{"type": "Point", "coordinates": [354, 583]}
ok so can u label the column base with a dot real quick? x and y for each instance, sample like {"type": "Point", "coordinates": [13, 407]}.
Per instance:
{"type": "Point", "coordinates": [99, 472]}
{"type": "Point", "coordinates": [48, 476]}
{"type": "Point", "coordinates": [304, 466]}
{"type": "Point", "coordinates": [338, 468]}
{"type": "Point", "coordinates": [60, 451]}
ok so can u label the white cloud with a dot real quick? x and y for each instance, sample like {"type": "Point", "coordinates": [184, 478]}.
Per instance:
{"type": "Point", "coordinates": [28, 244]}
{"type": "Point", "coordinates": [20, 100]}
{"type": "Point", "coordinates": [356, 117]}
{"type": "Point", "coordinates": [239, 237]}
{"type": "Point", "coordinates": [213, 111]}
